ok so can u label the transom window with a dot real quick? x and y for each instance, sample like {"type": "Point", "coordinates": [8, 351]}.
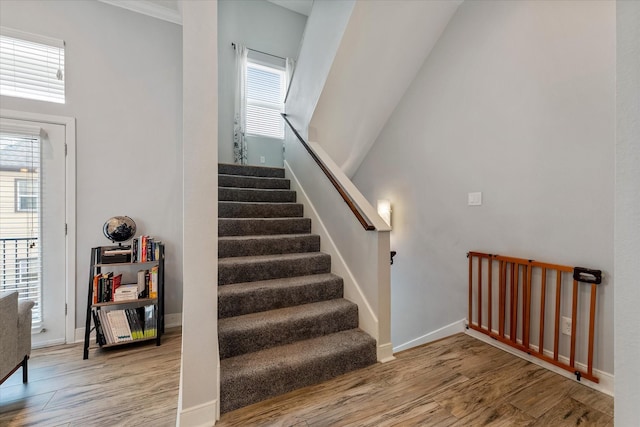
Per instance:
{"type": "Point", "coordinates": [265, 88]}
{"type": "Point", "coordinates": [31, 66]}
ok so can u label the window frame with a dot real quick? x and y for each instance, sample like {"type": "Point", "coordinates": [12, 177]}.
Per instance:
{"type": "Point", "coordinates": [279, 107]}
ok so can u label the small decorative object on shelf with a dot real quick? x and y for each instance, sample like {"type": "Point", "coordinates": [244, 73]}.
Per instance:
{"type": "Point", "coordinates": [126, 312]}
{"type": "Point", "coordinates": [119, 229]}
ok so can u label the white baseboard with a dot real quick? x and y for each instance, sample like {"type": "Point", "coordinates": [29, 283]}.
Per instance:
{"type": "Point", "coordinates": [385, 353]}
{"type": "Point", "coordinates": [203, 415]}
{"type": "Point", "coordinates": [171, 320]}
{"type": "Point", "coordinates": [445, 331]}
{"type": "Point", "coordinates": [606, 379]}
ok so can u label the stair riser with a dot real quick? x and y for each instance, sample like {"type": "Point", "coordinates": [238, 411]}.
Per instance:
{"type": "Point", "coordinates": [281, 245]}
{"type": "Point", "coordinates": [266, 334]}
{"type": "Point", "coordinates": [237, 392]}
{"type": "Point", "coordinates": [227, 169]}
{"type": "Point", "coordinates": [256, 195]}
{"type": "Point", "coordinates": [273, 269]}
{"type": "Point", "coordinates": [263, 227]}
{"type": "Point", "coordinates": [253, 182]}
{"type": "Point", "coordinates": [257, 210]}
{"type": "Point", "coordinates": [272, 297]}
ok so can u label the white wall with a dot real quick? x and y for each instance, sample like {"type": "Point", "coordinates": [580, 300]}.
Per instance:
{"type": "Point", "coordinates": [627, 235]}
{"type": "Point", "coordinates": [516, 100]}
{"type": "Point", "coordinates": [325, 28]}
{"type": "Point", "coordinates": [382, 49]}
{"type": "Point", "coordinates": [259, 25]}
{"type": "Point", "coordinates": [124, 87]}
{"type": "Point", "coordinates": [199, 374]}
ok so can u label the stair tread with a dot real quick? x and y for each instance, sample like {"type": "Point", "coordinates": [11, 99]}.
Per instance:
{"type": "Point", "coordinates": [283, 315]}
{"type": "Point", "coordinates": [267, 236]}
{"type": "Point", "coordinates": [275, 257]}
{"type": "Point", "coordinates": [253, 177]}
{"type": "Point", "coordinates": [276, 358]}
{"type": "Point", "coordinates": [285, 282]}
{"type": "Point", "coordinates": [251, 297]}
{"type": "Point", "coordinates": [275, 190]}
{"type": "Point", "coordinates": [259, 203]}
{"type": "Point", "coordinates": [250, 170]}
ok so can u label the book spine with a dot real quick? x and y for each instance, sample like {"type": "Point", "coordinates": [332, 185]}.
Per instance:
{"type": "Point", "coordinates": [153, 288]}
{"type": "Point", "coordinates": [96, 280]}
{"type": "Point", "coordinates": [100, 338]}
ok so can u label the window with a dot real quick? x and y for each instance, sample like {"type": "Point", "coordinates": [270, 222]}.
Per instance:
{"type": "Point", "coordinates": [265, 100]}
{"type": "Point", "coordinates": [20, 189]}
{"type": "Point", "coordinates": [31, 66]}
{"type": "Point", "coordinates": [26, 195]}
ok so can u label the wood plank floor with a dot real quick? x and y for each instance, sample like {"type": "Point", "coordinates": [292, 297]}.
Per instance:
{"type": "Point", "coordinates": [458, 381]}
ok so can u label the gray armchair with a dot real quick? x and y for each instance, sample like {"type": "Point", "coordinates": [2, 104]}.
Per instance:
{"type": "Point", "coordinates": [15, 335]}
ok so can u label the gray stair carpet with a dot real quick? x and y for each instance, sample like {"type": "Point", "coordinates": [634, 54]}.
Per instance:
{"type": "Point", "coordinates": [283, 322]}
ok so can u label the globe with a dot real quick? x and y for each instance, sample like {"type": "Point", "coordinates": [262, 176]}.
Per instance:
{"type": "Point", "coordinates": [119, 228]}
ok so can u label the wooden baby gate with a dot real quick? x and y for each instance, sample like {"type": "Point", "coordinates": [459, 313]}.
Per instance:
{"type": "Point", "coordinates": [525, 288]}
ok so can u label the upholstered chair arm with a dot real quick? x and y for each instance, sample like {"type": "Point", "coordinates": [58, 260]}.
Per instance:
{"type": "Point", "coordinates": [24, 328]}
{"type": "Point", "coordinates": [8, 332]}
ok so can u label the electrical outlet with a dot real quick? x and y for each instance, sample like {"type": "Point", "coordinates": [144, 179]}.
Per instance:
{"type": "Point", "coordinates": [565, 326]}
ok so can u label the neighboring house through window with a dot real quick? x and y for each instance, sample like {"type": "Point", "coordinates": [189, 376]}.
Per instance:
{"type": "Point", "coordinates": [26, 195]}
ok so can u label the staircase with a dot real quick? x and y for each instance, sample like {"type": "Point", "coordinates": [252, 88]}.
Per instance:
{"type": "Point", "coordinates": [283, 323]}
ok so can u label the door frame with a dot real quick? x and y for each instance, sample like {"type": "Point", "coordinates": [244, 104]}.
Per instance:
{"type": "Point", "coordinates": [70, 207]}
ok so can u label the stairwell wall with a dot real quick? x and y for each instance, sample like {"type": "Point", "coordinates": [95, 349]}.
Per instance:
{"type": "Point", "coordinates": [516, 100]}
{"type": "Point", "coordinates": [258, 25]}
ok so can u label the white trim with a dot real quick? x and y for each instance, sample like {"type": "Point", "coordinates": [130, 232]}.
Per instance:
{"type": "Point", "coordinates": [385, 353]}
{"type": "Point", "coordinates": [70, 205]}
{"type": "Point", "coordinates": [445, 331]}
{"type": "Point", "coordinates": [35, 38]}
{"type": "Point", "coordinates": [48, 343]}
{"type": "Point", "coordinates": [172, 320]}
{"type": "Point", "coordinates": [203, 415]}
{"type": "Point", "coordinates": [367, 317]}
{"type": "Point", "coordinates": [606, 379]}
{"type": "Point", "coordinates": [148, 8]}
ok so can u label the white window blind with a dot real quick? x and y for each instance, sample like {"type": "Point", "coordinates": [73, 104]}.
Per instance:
{"type": "Point", "coordinates": [265, 101]}
{"type": "Point", "coordinates": [31, 66]}
{"type": "Point", "coordinates": [20, 217]}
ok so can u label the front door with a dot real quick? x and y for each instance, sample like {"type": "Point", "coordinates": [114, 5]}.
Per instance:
{"type": "Point", "coordinates": [32, 222]}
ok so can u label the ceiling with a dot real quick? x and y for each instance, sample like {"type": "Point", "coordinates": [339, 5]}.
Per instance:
{"type": "Point", "coordinates": [170, 10]}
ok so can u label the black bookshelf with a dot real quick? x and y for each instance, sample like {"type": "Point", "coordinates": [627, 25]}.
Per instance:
{"type": "Point", "coordinates": [97, 265]}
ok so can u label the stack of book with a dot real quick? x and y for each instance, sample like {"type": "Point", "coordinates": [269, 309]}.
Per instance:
{"type": "Point", "coordinates": [130, 324]}
{"type": "Point", "coordinates": [105, 286]}
{"type": "Point", "coordinates": [145, 249]}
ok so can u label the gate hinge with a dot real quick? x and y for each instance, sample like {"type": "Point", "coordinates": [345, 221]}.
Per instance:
{"type": "Point", "coordinates": [65, 309]}
{"type": "Point", "coordinates": [66, 228]}
{"type": "Point", "coordinates": [65, 149]}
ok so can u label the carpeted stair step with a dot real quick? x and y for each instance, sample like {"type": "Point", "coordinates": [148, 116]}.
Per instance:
{"type": "Point", "coordinates": [265, 267]}
{"type": "Point", "coordinates": [259, 331]}
{"type": "Point", "coordinates": [253, 297]}
{"type": "Point", "coordinates": [258, 210]}
{"type": "Point", "coordinates": [233, 194]}
{"type": "Point", "coordinates": [230, 169]}
{"type": "Point", "coordinates": [262, 226]}
{"type": "Point", "coordinates": [236, 246]}
{"type": "Point", "coordinates": [240, 181]}
{"type": "Point", "coordinates": [256, 376]}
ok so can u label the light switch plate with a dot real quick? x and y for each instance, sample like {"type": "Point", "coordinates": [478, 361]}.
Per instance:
{"type": "Point", "coordinates": [474, 199]}
{"type": "Point", "coordinates": [261, 159]}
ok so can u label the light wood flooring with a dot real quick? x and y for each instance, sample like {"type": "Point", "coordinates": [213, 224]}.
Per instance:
{"type": "Point", "coordinates": [458, 381]}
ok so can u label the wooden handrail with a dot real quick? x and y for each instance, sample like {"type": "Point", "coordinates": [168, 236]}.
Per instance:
{"type": "Point", "coordinates": [364, 221]}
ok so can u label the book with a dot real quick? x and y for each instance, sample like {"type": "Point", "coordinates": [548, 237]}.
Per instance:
{"type": "Point", "coordinates": [126, 293]}
{"type": "Point", "coordinates": [95, 297]}
{"type": "Point", "coordinates": [106, 327]}
{"type": "Point", "coordinates": [153, 282]}
{"type": "Point", "coordinates": [149, 321]}
{"type": "Point", "coordinates": [116, 282]}
{"type": "Point", "coordinates": [142, 275]}
{"type": "Point", "coordinates": [119, 325]}
{"type": "Point", "coordinates": [100, 337]}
